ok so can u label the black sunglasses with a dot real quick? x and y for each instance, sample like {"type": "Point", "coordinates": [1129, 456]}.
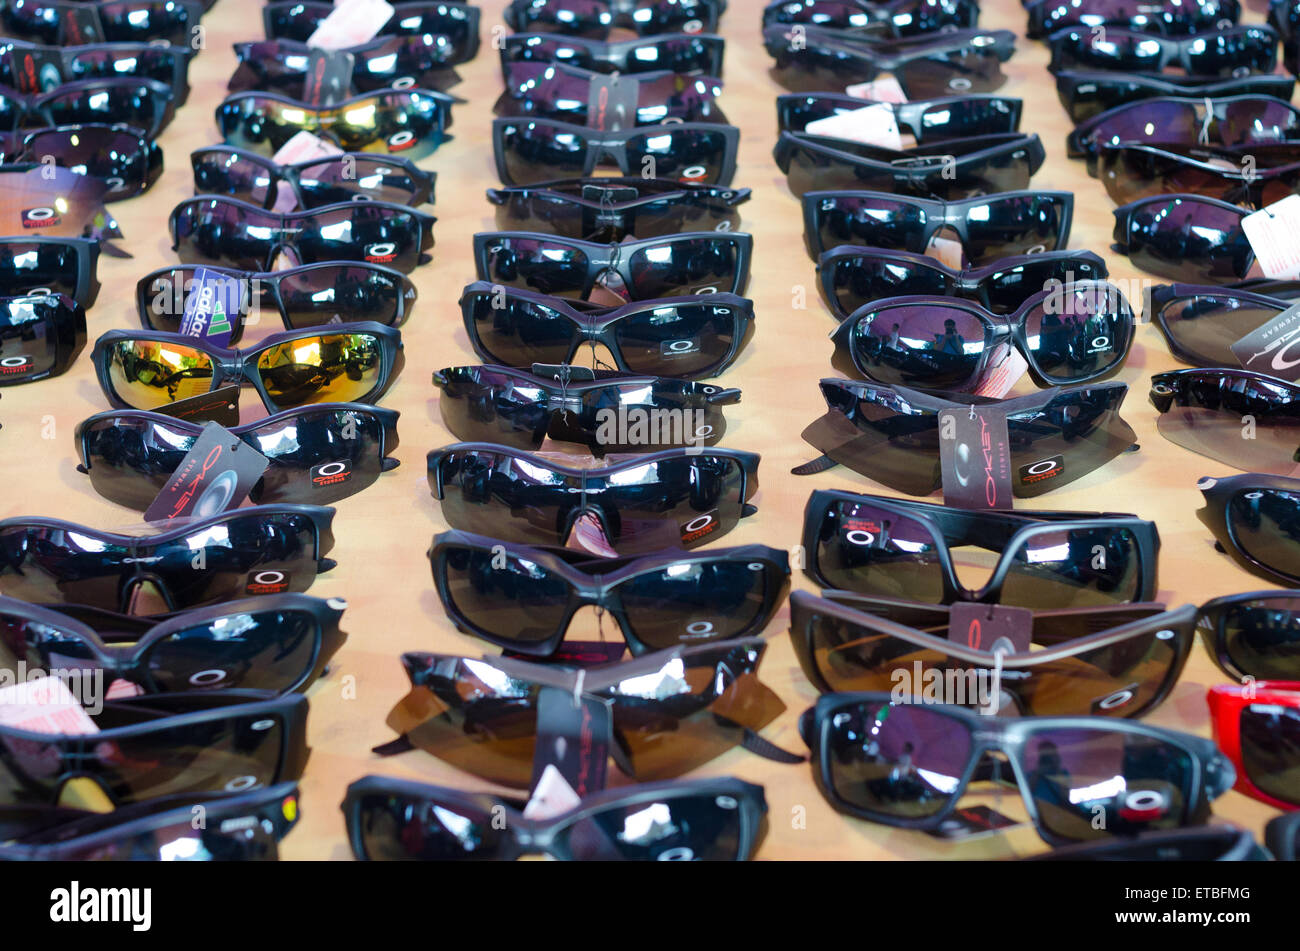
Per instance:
{"type": "Point", "coordinates": [311, 183]}
{"type": "Point", "coordinates": [681, 53]}
{"type": "Point", "coordinates": [947, 170]}
{"type": "Point", "coordinates": [852, 276]}
{"type": "Point", "coordinates": [928, 120]}
{"type": "Point", "coordinates": [907, 764]}
{"type": "Point", "coordinates": [1169, 17]}
{"type": "Point", "coordinates": [989, 227]}
{"type": "Point", "coordinates": [681, 498]}
{"type": "Point", "coordinates": [28, 67]}
{"type": "Point", "coordinates": [893, 18]}
{"type": "Point", "coordinates": [608, 210]}
{"type": "Point", "coordinates": [898, 548]}
{"type": "Point", "coordinates": [457, 22]}
{"type": "Point", "coordinates": [41, 266]}
{"type": "Point", "coordinates": [614, 412]}
{"type": "Point", "coordinates": [524, 599]}
{"type": "Point", "coordinates": [530, 151]}
{"type": "Point", "coordinates": [40, 336]}
{"type": "Point", "coordinates": [346, 363]}
{"type": "Point", "coordinates": [818, 59]}
{"type": "Point", "coordinates": [1254, 635]}
{"type": "Point", "coordinates": [680, 337]}
{"type": "Point", "coordinates": [140, 104]}
{"type": "Point", "coordinates": [237, 827]}
{"type": "Point", "coordinates": [279, 642]}
{"type": "Point", "coordinates": [1187, 238]}
{"type": "Point", "coordinates": [59, 23]}
{"type": "Point", "coordinates": [1069, 333]}
{"type": "Point", "coordinates": [318, 454]}
{"type": "Point", "coordinates": [1234, 51]}
{"type": "Point", "coordinates": [1254, 519]}
{"type": "Point", "coordinates": [1220, 843]}
{"type": "Point", "coordinates": [706, 820]}
{"type": "Point", "coordinates": [1110, 662]}
{"type": "Point", "coordinates": [581, 97]}
{"type": "Point", "coordinates": [1242, 418]}
{"type": "Point", "coordinates": [703, 262]}
{"type": "Point", "coordinates": [412, 122]}
{"type": "Point", "coordinates": [216, 230]}
{"type": "Point", "coordinates": [1086, 94]}
{"type": "Point", "coordinates": [312, 295]}
{"type": "Point", "coordinates": [119, 158]}
{"type": "Point", "coordinates": [1200, 323]}
{"type": "Point", "coordinates": [420, 61]}
{"type": "Point", "coordinates": [1282, 835]}
{"type": "Point", "coordinates": [1055, 437]}
{"type": "Point", "coordinates": [1131, 171]}
{"type": "Point", "coordinates": [595, 18]}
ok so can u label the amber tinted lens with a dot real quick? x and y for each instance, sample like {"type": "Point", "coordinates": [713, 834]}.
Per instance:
{"type": "Point", "coordinates": [334, 368]}
{"type": "Point", "coordinates": [146, 373]}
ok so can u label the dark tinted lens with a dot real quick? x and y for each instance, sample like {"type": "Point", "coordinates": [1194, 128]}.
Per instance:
{"type": "Point", "coordinates": [1250, 423]}
{"type": "Point", "coordinates": [139, 105]}
{"type": "Point", "coordinates": [490, 493]}
{"type": "Point", "coordinates": [162, 301]}
{"type": "Point", "coordinates": [1074, 568]}
{"type": "Point", "coordinates": [138, 21]}
{"type": "Point", "coordinates": [398, 829]}
{"type": "Point", "coordinates": [318, 456]}
{"type": "Point", "coordinates": [38, 267]}
{"type": "Point", "coordinates": [518, 601]}
{"type": "Point", "coordinates": [148, 62]}
{"type": "Point", "coordinates": [874, 222]}
{"type": "Point", "coordinates": [28, 337]}
{"type": "Point", "coordinates": [695, 602]}
{"type": "Point", "coordinates": [1270, 750]}
{"type": "Point", "coordinates": [239, 176]}
{"type": "Point", "coordinates": [266, 650]}
{"type": "Point", "coordinates": [480, 406]}
{"type": "Point", "coordinates": [356, 179]}
{"type": "Point", "coordinates": [684, 502]}
{"type": "Point", "coordinates": [119, 159]}
{"type": "Point", "coordinates": [700, 266]}
{"type": "Point", "coordinates": [1186, 240]}
{"type": "Point", "coordinates": [956, 73]}
{"type": "Point", "coordinates": [547, 266]}
{"type": "Point", "coordinates": [46, 565]}
{"type": "Point", "coordinates": [692, 828]}
{"type": "Point", "coordinates": [130, 460]}
{"type": "Point", "coordinates": [536, 152]}
{"type": "Point", "coordinates": [221, 233]}
{"type": "Point", "coordinates": [873, 551]}
{"type": "Point", "coordinates": [858, 279]}
{"type": "Point", "coordinates": [1207, 325]}
{"type": "Point", "coordinates": [1146, 122]}
{"type": "Point", "coordinates": [32, 20]}
{"type": "Point", "coordinates": [521, 332]}
{"type": "Point", "coordinates": [1007, 226]}
{"type": "Point", "coordinates": [1006, 291]}
{"type": "Point", "coordinates": [681, 341]}
{"type": "Point", "coordinates": [1079, 332]}
{"type": "Point", "coordinates": [1120, 680]}
{"type": "Point", "coordinates": [966, 117]}
{"type": "Point", "coordinates": [1266, 525]}
{"type": "Point", "coordinates": [360, 232]}
{"type": "Point", "coordinates": [696, 155]}
{"type": "Point", "coordinates": [1066, 438]}
{"type": "Point", "coordinates": [919, 345]}
{"type": "Point", "coordinates": [1262, 637]}
{"type": "Point", "coordinates": [339, 293]}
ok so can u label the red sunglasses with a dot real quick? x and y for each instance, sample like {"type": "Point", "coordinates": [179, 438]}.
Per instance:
{"type": "Point", "coordinates": [1257, 726]}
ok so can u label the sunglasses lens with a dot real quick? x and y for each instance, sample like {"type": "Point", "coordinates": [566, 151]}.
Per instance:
{"type": "Point", "coordinates": [332, 368]}
{"type": "Point", "coordinates": [859, 279]}
{"type": "Point", "coordinates": [139, 21]}
{"type": "Point", "coordinates": [1074, 568]}
{"type": "Point", "coordinates": [33, 267]}
{"type": "Point", "coordinates": [337, 293]}
{"type": "Point", "coordinates": [1079, 332]}
{"type": "Point", "coordinates": [319, 456]}
{"type": "Point", "coordinates": [1209, 415]}
{"type": "Point", "coordinates": [397, 828]}
{"type": "Point", "coordinates": [685, 267]}
{"type": "Point", "coordinates": [263, 650]}
{"type": "Point", "coordinates": [357, 180]}
{"type": "Point", "coordinates": [223, 173]}
{"type": "Point", "coordinates": [520, 601]}
{"type": "Point", "coordinates": [130, 460]}
{"type": "Point", "coordinates": [485, 492]}
{"type": "Point", "coordinates": [146, 374]}
{"type": "Point", "coordinates": [682, 828]}
{"type": "Point", "coordinates": [874, 222]}
{"type": "Point", "coordinates": [1207, 325]}
{"type": "Point", "coordinates": [520, 332]}
{"type": "Point", "coordinates": [480, 406]}
{"type": "Point", "coordinates": [1007, 290]}
{"type": "Point", "coordinates": [962, 71]}
{"type": "Point", "coordinates": [535, 152]}
{"type": "Point", "coordinates": [139, 105]}
{"type": "Point", "coordinates": [362, 232]}
{"type": "Point", "coordinates": [1009, 226]}
{"type": "Point", "coordinates": [1270, 750]}
{"type": "Point", "coordinates": [931, 346]}
{"type": "Point", "coordinates": [545, 266]}
{"type": "Point", "coordinates": [872, 551]}
{"type": "Point", "coordinates": [1139, 122]}
{"type": "Point", "coordinates": [1185, 240]}
{"type": "Point", "coordinates": [146, 62]}
{"type": "Point", "coordinates": [901, 761]}
{"type": "Point", "coordinates": [1121, 680]}
{"type": "Point", "coordinates": [119, 159]}
{"type": "Point", "coordinates": [1261, 522]}
{"type": "Point", "coordinates": [46, 565]}
{"type": "Point", "coordinates": [698, 155]}
{"type": "Point", "coordinates": [1262, 637]}
{"type": "Point", "coordinates": [218, 232]}
{"type": "Point", "coordinates": [680, 341]}
{"type": "Point", "coordinates": [966, 117]}
{"type": "Point", "coordinates": [28, 337]}
{"type": "Point", "coordinates": [691, 603]}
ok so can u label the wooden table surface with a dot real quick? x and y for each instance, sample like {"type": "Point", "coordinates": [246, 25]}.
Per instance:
{"type": "Point", "coordinates": [383, 533]}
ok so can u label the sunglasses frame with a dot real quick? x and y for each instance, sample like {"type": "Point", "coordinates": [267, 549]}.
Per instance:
{"type": "Point", "coordinates": [1227, 703]}
{"type": "Point", "coordinates": [608, 53]}
{"type": "Point", "coordinates": [68, 336]}
{"type": "Point", "coordinates": [402, 11]}
{"type": "Point", "coordinates": [515, 12]}
{"type": "Point", "coordinates": [909, 116]}
{"type": "Point", "coordinates": [148, 153]}
{"type": "Point", "coordinates": [1072, 84]}
{"type": "Point", "coordinates": [87, 277]}
{"type": "Point", "coordinates": [36, 105]}
{"type": "Point", "coordinates": [193, 9]}
{"type": "Point", "coordinates": [1218, 494]}
{"type": "Point", "coordinates": [1124, 228]}
{"type": "Point", "coordinates": [1162, 296]}
{"type": "Point", "coordinates": [1082, 142]}
{"type": "Point", "coordinates": [1168, 19]}
{"type": "Point", "coordinates": [1174, 50]}
{"type": "Point", "coordinates": [1210, 625]}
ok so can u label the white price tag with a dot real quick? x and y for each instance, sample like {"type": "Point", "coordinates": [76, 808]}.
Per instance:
{"type": "Point", "coordinates": [1274, 236]}
{"type": "Point", "coordinates": [881, 90]}
{"type": "Point", "coordinates": [871, 125]}
{"type": "Point", "coordinates": [304, 146]}
{"type": "Point", "coordinates": [1005, 368]}
{"type": "Point", "coordinates": [351, 23]}
{"type": "Point", "coordinates": [44, 705]}
{"type": "Point", "coordinates": [552, 797]}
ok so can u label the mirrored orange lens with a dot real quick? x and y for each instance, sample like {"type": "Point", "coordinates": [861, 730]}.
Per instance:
{"type": "Point", "coordinates": [334, 368]}
{"type": "Point", "coordinates": [147, 374]}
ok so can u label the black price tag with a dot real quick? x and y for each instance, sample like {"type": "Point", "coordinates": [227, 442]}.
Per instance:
{"type": "Point", "coordinates": [990, 627]}
{"type": "Point", "coordinates": [612, 102]}
{"type": "Point", "coordinates": [214, 476]}
{"type": "Point", "coordinates": [1273, 348]}
{"type": "Point", "coordinates": [972, 821]}
{"type": "Point", "coordinates": [573, 735]}
{"type": "Point", "coordinates": [975, 457]}
{"type": "Point", "coordinates": [564, 372]}
{"type": "Point", "coordinates": [329, 77]}
{"type": "Point", "coordinates": [219, 406]}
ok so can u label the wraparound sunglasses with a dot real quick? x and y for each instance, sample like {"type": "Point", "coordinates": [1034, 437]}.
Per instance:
{"type": "Point", "coordinates": [927, 120]}
{"type": "Point", "coordinates": [681, 53]}
{"type": "Point", "coordinates": [58, 23]}
{"type": "Point", "coordinates": [407, 61]}
{"type": "Point", "coordinates": [142, 104]}
{"type": "Point", "coordinates": [457, 22]}
{"type": "Point", "coordinates": [1186, 237]}
{"type": "Point", "coordinates": [1255, 520]}
{"type": "Point", "coordinates": [119, 158]}
{"type": "Point", "coordinates": [1167, 17]}
{"type": "Point", "coordinates": [595, 18]}
{"type": "Point", "coordinates": [892, 18]}
{"type": "Point", "coordinates": [43, 265]}
{"type": "Point", "coordinates": [27, 66]}
{"type": "Point", "coordinates": [571, 94]}
{"type": "Point", "coordinates": [1234, 51]}
{"type": "Point", "coordinates": [40, 336]}
{"type": "Point", "coordinates": [1087, 94]}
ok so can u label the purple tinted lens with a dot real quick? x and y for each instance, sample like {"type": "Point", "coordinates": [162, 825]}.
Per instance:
{"type": "Point", "coordinates": [224, 173]}
{"type": "Point", "coordinates": [1188, 240]}
{"type": "Point", "coordinates": [1148, 121]}
{"type": "Point", "coordinates": [147, 62]}
{"type": "Point", "coordinates": [1257, 120]}
{"type": "Point", "coordinates": [533, 152]}
{"type": "Point", "coordinates": [219, 232]}
{"type": "Point", "coordinates": [919, 345]}
{"type": "Point", "coordinates": [545, 266]}
{"type": "Point", "coordinates": [873, 222]}
{"type": "Point", "coordinates": [872, 550]}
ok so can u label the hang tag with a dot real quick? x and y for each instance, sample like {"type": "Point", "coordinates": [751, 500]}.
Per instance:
{"type": "Point", "coordinates": [611, 102]}
{"type": "Point", "coordinates": [975, 457]}
{"type": "Point", "coordinates": [578, 654]}
{"type": "Point", "coordinates": [219, 406]}
{"type": "Point", "coordinates": [1274, 347]}
{"type": "Point", "coordinates": [215, 476]}
{"type": "Point", "coordinates": [609, 194]}
{"type": "Point", "coordinates": [872, 125]}
{"type": "Point", "coordinates": [44, 705]}
{"type": "Point", "coordinates": [329, 77]}
{"type": "Point", "coordinates": [212, 302]}
{"type": "Point", "coordinates": [881, 90]}
{"type": "Point", "coordinates": [564, 372]}
{"type": "Point", "coordinates": [351, 23]}
{"type": "Point", "coordinates": [552, 796]}
{"type": "Point", "coordinates": [1006, 365]}
{"type": "Point", "coordinates": [573, 737]}
{"type": "Point", "coordinates": [972, 822]}
{"type": "Point", "coordinates": [79, 25]}
{"type": "Point", "coordinates": [1274, 236]}
{"type": "Point", "coordinates": [990, 627]}
{"type": "Point", "coordinates": [304, 146]}
{"type": "Point", "coordinates": [36, 69]}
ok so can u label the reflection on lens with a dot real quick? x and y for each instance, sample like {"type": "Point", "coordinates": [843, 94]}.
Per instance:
{"type": "Point", "coordinates": [1266, 524]}
{"type": "Point", "coordinates": [146, 374]}
{"type": "Point", "coordinates": [1262, 637]}
{"type": "Point", "coordinates": [340, 368]}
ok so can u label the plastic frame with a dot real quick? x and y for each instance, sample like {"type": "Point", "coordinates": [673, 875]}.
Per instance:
{"type": "Point", "coordinates": [1064, 44]}
{"type": "Point", "coordinates": [466, 17]}
{"type": "Point", "coordinates": [1218, 494]}
{"type": "Point", "coordinates": [178, 33]}
{"type": "Point", "coordinates": [620, 12]}
{"type": "Point", "coordinates": [1126, 245]}
{"type": "Point", "coordinates": [395, 61]}
{"type": "Point", "coordinates": [66, 328]}
{"type": "Point", "coordinates": [894, 18]}
{"type": "Point", "coordinates": [1227, 703]}
{"type": "Point", "coordinates": [1169, 20]}
{"type": "Point", "coordinates": [85, 282]}
{"type": "Point", "coordinates": [148, 155]}
{"type": "Point", "coordinates": [517, 48]}
{"type": "Point", "coordinates": [1081, 142]}
{"type": "Point", "coordinates": [1162, 296]}
{"type": "Point", "coordinates": [160, 95]}
{"type": "Point", "coordinates": [1086, 94]}
{"type": "Point", "coordinates": [908, 115]}
{"type": "Point", "coordinates": [71, 55]}
{"type": "Point", "coordinates": [1210, 627]}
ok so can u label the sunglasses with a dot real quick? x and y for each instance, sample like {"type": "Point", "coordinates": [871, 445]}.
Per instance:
{"type": "Point", "coordinates": [142, 105]}
{"type": "Point", "coordinates": [57, 23]}
{"type": "Point", "coordinates": [43, 266]}
{"type": "Point", "coordinates": [595, 18]}
{"type": "Point", "coordinates": [1220, 843]}
{"type": "Point", "coordinates": [312, 183]}
{"type": "Point", "coordinates": [706, 820]}
{"type": "Point", "coordinates": [28, 67]}
{"type": "Point", "coordinates": [1282, 836]}
{"type": "Point", "coordinates": [354, 363]}
{"type": "Point", "coordinates": [308, 296]}
{"type": "Point", "coordinates": [1186, 238]}
{"type": "Point", "coordinates": [481, 715]}
{"type": "Point", "coordinates": [609, 210]}
{"type": "Point", "coordinates": [1258, 728]}
{"type": "Point", "coordinates": [57, 201]}
{"type": "Point", "coordinates": [908, 764]}
{"type": "Point", "coordinates": [238, 827]}
{"type": "Point", "coordinates": [524, 599]}
{"type": "Point", "coordinates": [1121, 662]}
{"type": "Point", "coordinates": [1088, 94]}
{"type": "Point", "coordinates": [681, 53]}
{"type": "Point", "coordinates": [410, 121]}
{"type": "Point", "coordinates": [695, 263]}
{"type": "Point", "coordinates": [279, 643]}
{"type": "Point", "coordinates": [680, 337]}
{"type": "Point", "coordinates": [386, 62]}
{"type": "Point", "coordinates": [897, 17]}
{"type": "Point", "coordinates": [532, 151]}
{"type": "Point", "coordinates": [928, 121]}
{"type": "Point", "coordinates": [1251, 517]}
{"type": "Point", "coordinates": [1170, 17]}
{"type": "Point", "coordinates": [1069, 333]}
{"type": "Point", "coordinates": [1055, 437]}
{"type": "Point", "coordinates": [212, 229]}
{"type": "Point", "coordinates": [456, 22]}
{"type": "Point", "coordinates": [1241, 418]}
{"type": "Point", "coordinates": [989, 227]}
{"type": "Point", "coordinates": [318, 454]}
{"type": "Point", "coordinates": [1130, 172]}
{"type": "Point", "coordinates": [949, 171]}
{"type": "Point", "coordinates": [1253, 636]}
{"type": "Point", "coordinates": [851, 277]}
{"type": "Point", "coordinates": [898, 548]}
{"type": "Point", "coordinates": [121, 160]}
{"type": "Point", "coordinates": [1235, 51]}
{"type": "Point", "coordinates": [678, 498]}
{"type": "Point", "coordinates": [571, 94]}
{"type": "Point", "coordinates": [40, 336]}
{"type": "Point", "coordinates": [519, 409]}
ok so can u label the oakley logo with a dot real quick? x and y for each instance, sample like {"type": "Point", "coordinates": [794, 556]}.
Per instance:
{"type": "Point", "coordinates": [15, 364]}
{"type": "Point", "coordinates": [40, 218]}
{"type": "Point", "coordinates": [206, 678]}
{"type": "Point", "coordinates": [142, 561]}
{"type": "Point", "coordinates": [402, 140]}
{"type": "Point", "coordinates": [1117, 699]}
{"type": "Point", "coordinates": [241, 783]}
{"type": "Point", "coordinates": [959, 83]}
{"type": "Point", "coordinates": [406, 82]}
{"type": "Point", "coordinates": [679, 854]}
